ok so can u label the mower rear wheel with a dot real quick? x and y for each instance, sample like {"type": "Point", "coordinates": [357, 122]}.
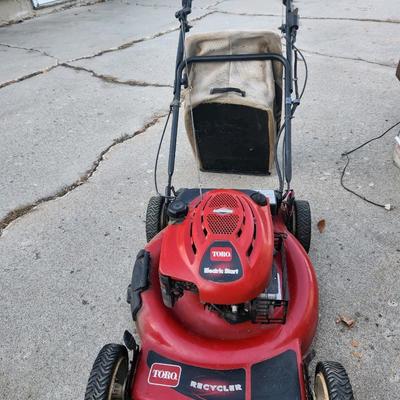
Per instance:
{"type": "Point", "coordinates": [109, 375]}
{"type": "Point", "coordinates": [301, 224]}
{"type": "Point", "coordinates": [332, 382]}
{"type": "Point", "coordinates": [155, 217]}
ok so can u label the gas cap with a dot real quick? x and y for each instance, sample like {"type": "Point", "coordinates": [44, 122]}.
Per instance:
{"type": "Point", "coordinates": [177, 210]}
{"type": "Point", "coordinates": [259, 199]}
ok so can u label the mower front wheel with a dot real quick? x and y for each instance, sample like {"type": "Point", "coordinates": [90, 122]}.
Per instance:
{"type": "Point", "coordinates": [155, 217]}
{"type": "Point", "coordinates": [301, 223]}
{"type": "Point", "coordinates": [332, 382]}
{"type": "Point", "coordinates": [109, 375]}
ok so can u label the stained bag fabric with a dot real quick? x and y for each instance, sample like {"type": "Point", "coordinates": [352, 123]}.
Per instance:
{"type": "Point", "coordinates": [235, 104]}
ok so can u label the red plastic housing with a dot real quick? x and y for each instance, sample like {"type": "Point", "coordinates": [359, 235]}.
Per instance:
{"type": "Point", "coordinates": [224, 246]}
{"type": "Point", "coordinates": [191, 335]}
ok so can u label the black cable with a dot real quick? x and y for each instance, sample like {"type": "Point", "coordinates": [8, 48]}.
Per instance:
{"type": "Point", "coordinates": [352, 191]}
{"type": "Point", "coordinates": [371, 140]}
{"type": "Point", "coordinates": [277, 165]}
{"type": "Point", "coordinates": [296, 78]}
{"type": "Point", "coordinates": [346, 154]}
{"type": "Point", "coordinates": [305, 71]}
{"type": "Point", "coordinates": [158, 153]}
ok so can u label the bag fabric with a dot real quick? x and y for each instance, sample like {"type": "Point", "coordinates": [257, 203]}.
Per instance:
{"type": "Point", "coordinates": [256, 84]}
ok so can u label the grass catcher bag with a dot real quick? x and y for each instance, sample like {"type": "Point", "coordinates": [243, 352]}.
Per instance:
{"type": "Point", "coordinates": [236, 106]}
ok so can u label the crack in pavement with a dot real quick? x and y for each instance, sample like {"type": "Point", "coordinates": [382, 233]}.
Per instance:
{"type": "Point", "coordinates": [98, 54]}
{"type": "Point", "coordinates": [210, 6]}
{"type": "Point", "coordinates": [346, 58]}
{"type": "Point", "coordinates": [42, 52]}
{"type": "Point", "coordinates": [28, 76]}
{"type": "Point", "coordinates": [32, 74]}
{"type": "Point", "coordinates": [216, 4]}
{"type": "Point", "coordinates": [113, 79]}
{"type": "Point", "coordinates": [126, 45]}
{"type": "Point", "coordinates": [131, 43]}
{"type": "Point", "coordinates": [380, 21]}
{"type": "Point", "coordinates": [155, 5]}
{"type": "Point", "coordinates": [383, 21]}
{"type": "Point", "coordinates": [23, 210]}
{"type": "Point", "coordinates": [26, 209]}
{"type": "Point", "coordinates": [56, 10]}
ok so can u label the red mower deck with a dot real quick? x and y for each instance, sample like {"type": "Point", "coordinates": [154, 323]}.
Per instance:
{"type": "Point", "coordinates": [190, 352]}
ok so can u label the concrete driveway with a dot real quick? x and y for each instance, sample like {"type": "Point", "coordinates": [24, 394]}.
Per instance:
{"type": "Point", "coordinates": [83, 96]}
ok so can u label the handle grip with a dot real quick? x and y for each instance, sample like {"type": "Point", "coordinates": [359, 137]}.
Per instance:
{"type": "Point", "coordinates": [227, 90]}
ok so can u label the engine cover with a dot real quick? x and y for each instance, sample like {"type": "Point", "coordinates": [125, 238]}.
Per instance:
{"type": "Point", "coordinates": [224, 247]}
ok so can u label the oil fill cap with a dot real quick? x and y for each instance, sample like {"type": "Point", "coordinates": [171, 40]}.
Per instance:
{"type": "Point", "coordinates": [259, 199]}
{"type": "Point", "coordinates": [177, 209]}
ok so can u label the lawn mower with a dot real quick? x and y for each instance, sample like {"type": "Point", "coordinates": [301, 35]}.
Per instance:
{"type": "Point", "coordinates": [224, 296]}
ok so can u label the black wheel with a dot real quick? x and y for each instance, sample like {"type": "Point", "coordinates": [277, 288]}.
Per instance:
{"type": "Point", "coordinates": [301, 223]}
{"type": "Point", "coordinates": [155, 217]}
{"type": "Point", "coordinates": [108, 378]}
{"type": "Point", "coordinates": [332, 382]}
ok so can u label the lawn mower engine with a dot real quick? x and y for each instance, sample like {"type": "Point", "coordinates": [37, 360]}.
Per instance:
{"type": "Point", "coordinates": [221, 249]}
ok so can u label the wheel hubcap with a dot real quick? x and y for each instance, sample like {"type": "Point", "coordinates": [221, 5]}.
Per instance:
{"type": "Point", "coordinates": [118, 380]}
{"type": "Point", "coordinates": [320, 388]}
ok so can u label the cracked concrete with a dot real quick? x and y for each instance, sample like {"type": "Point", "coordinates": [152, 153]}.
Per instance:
{"type": "Point", "coordinates": [18, 64]}
{"type": "Point", "coordinates": [171, 4]}
{"type": "Point", "coordinates": [43, 53]}
{"type": "Point", "coordinates": [77, 62]}
{"type": "Point", "coordinates": [76, 177]}
{"type": "Point", "coordinates": [68, 63]}
{"type": "Point", "coordinates": [383, 21]}
{"type": "Point", "coordinates": [28, 76]}
{"type": "Point", "coordinates": [14, 214]}
{"type": "Point", "coordinates": [25, 13]}
{"type": "Point", "coordinates": [64, 120]}
{"type": "Point", "coordinates": [86, 37]}
{"type": "Point", "coordinates": [152, 59]}
{"type": "Point", "coordinates": [366, 9]}
{"type": "Point", "coordinates": [150, 68]}
{"type": "Point", "coordinates": [338, 38]}
{"type": "Point", "coordinates": [345, 58]}
{"type": "Point", "coordinates": [113, 79]}
{"type": "Point", "coordinates": [130, 43]}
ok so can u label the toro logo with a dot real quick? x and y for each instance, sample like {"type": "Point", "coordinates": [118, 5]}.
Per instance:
{"type": "Point", "coordinates": [221, 254]}
{"type": "Point", "coordinates": [164, 375]}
